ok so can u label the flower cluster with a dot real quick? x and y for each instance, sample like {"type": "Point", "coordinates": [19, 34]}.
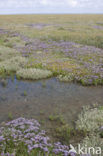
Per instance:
{"type": "Point", "coordinates": [59, 148]}
{"type": "Point", "coordinates": [26, 134]}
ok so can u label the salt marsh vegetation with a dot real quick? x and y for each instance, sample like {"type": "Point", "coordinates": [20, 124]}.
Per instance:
{"type": "Point", "coordinates": [68, 48]}
{"type": "Point", "coordinates": [25, 137]}
{"type": "Point", "coordinates": [68, 45]}
{"type": "Point", "coordinates": [33, 74]}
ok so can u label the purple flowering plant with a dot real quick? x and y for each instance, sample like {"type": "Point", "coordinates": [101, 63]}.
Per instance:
{"type": "Point", "coordinates": [69, 61]}
{"type": "Point", "coordinates": [25, 138]}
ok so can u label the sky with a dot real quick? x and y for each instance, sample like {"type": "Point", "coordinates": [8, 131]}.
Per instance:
{"type": "Point", "coordinates": [50, 6]}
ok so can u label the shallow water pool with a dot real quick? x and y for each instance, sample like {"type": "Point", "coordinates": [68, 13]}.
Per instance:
{"type": "Point", "coordinates": [40, 99]}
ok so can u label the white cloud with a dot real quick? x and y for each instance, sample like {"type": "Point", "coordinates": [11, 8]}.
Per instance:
{"type": "Point", "coordinates": [72, 3]}
{"type": "Point", "coordinates": [56, 5]}
{"type": "Point", "coordinates": [44, 2]}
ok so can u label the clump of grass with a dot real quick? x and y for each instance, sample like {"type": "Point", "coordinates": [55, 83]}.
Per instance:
{"type": "Point", "coordinates": [9, 44]}
{"type": "Point", "coordinates": [93, 140]}
{"type": "Point", "coordinates": [25, 93]}
{"type": "Point", "coordinates": [66, 78]}
{"type": "Point", "coordinates": [61, 28]}
{"type": "Point", "coordinates": [101, 134]}
{"type": "Point", "coordinates": [10, 116]}
{"type": "Point", "coordinates": [57, 118]}
{"type": "Point", "coordinates": [33, 74]}
{"type": "Point", "coordinates": [7, 53]}
{"type": "Point", "coordinates": [90, 119]}
{"type": "Point", "coordinates": [64, 133]}
{"type": "Point", "coordinates": [12, 65]}
{"type": "Point", "coordinates": [14, 41]}
{"type": "Point", "coordinates": [1, 41]}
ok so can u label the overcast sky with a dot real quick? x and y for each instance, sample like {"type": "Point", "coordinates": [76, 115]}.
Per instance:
{"type": "Point", "coordinates": [50, 6]}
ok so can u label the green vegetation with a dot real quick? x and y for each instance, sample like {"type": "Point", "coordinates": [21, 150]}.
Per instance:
{"type": "Point", "coordinates": [6, 53]}
{"type": "Point", "coordinates": [77, 28]}
{"type": "Point", "coordinates": [57, 118]}
{"type": "Point", "coordinates": [66, 45]}
{"type": "Point", "coordinates": [31, 140]}
{"type": "Point", "coordinates": [10, 116]}
{"type": "Point", "coordinates": [33, 74]}
{"type": "Point", "coordinates": [69, 47]}
{"type": "Point", "coordinates": [25, 93]}
{"type": "Point", "coordinates": [64, 133]}
{"type": "Point", "coordinates": [91, 122]}
{"type": "Point", "coordinates": [90, 119]}
{"type": "Point", "coordinates": [12, 65]}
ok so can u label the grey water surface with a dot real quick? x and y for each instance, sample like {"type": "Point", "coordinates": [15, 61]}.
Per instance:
{"type": "Point", "coordinates": [42, 98]}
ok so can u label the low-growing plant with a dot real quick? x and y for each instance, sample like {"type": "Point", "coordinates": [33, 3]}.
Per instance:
{"type": "Point", "coordinates": [93, 140]}
{"type": "Point", "coordinates": [10, 116]}
{"type": "Point", "coordinates": [33, 73]}
{"type": "Point", "coordinates": [101, 134]}
{"type": "Point", "coordinates": [66, 78]}
{"type": "Point", "coordinates": [9, 44]}
{"type": "Point", "coordinates": [57, 118]}
{"type": "Point", "coordinates": [23, 137]}
{"type": "Point", "coordinates": [64, 133]}
{"type": "Point", "coordinates": [91, 122]}
{"type": "Point", "coordinates": [90, 119]}
{"type": "Point", "coordinates": [25, 93]}
{"type": "Point", "coordinates": [12, 65]}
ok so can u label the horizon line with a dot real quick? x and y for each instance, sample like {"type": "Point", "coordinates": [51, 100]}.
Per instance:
{"type": "Point", "coordinates": [48, 13]}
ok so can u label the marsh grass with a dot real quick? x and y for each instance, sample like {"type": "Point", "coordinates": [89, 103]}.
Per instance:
{"type": "Point", "coordinates": [54, 42]}
{"type": "Point", "coordinates": [90, 119]}
{"type": "Point", "coordinates": [10, 116]}
{"type": "Point", "coordinates": [14, 41]}
{"type": "Point", "coordinates": [12, 65]}
{"type": "Point", "coordinates": [33, 74]}
{"type": "Point", "coordinates": [24, 93]}
{"type": "Point", "coordinates": [81, 26]}
{"type": "Point", "coordinates": [7, 53]}
{"type": "Point", "coordinates": [91, 136]}
{"type": "Point", "coordinates": [91, 122]}
{"type": "Point", "coordinates": [57, 118]}
{"type": "Point", "coordinates": [66, 78]}
{"type": "Point", "coordinates": [78, 62]}
{"type": "Point", "coordinates": [64, 133]}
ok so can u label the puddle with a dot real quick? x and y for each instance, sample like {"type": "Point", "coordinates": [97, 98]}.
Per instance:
{"type": "Point", "coordinates": [40, 99]}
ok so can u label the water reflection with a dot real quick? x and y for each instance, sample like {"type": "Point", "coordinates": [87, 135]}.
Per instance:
{"type": "Point", "coordinates": [42, 98]}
